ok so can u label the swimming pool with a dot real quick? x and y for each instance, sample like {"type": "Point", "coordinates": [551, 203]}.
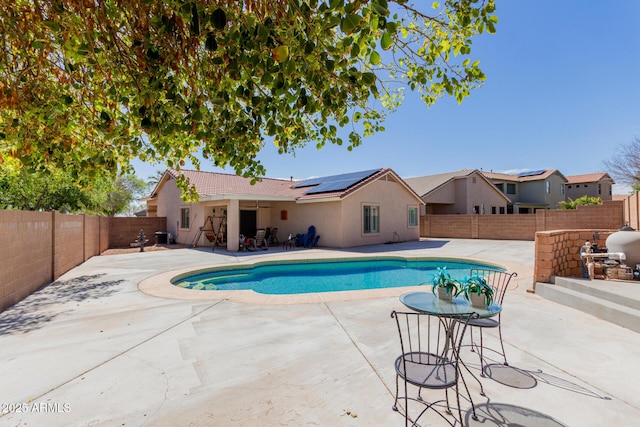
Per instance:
{"type": "Point", "coordinates": [328, 275]}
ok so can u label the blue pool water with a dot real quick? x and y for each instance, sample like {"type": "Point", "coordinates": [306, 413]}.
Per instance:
{"type": "Point", "coordinates": [291, 277]}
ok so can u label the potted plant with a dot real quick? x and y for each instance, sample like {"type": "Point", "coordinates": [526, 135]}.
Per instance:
{"type": "Point", "coordinates": [444, 284]}
{"type": "Point", "coordinates": [477, 291]}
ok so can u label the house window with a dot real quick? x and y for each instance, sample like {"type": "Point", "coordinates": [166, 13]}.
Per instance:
{"type": "Point", "coordinates": [548, 186]}
{"type": "Point", "coordinates": [511, 189]}
{"type": "Point", "coordinates": [493, 210]}
{"type": "Point", "coordinates": [562, 189]}
{"type": "Point", "coordinates": [184, 218]}
{"type": "Point", "coordinates": [370, 219]}
{"type": "Point", "coordinates": [412, 220]}
{"type": "Point", "coordinates": [599, 189]}
{"type": "Point", "coordinates": [501, 210]}
{"type": "Point", "coordinates": [500, 187]}
{"type": "Point", "coordinates": [577, 185]}
{"type": "Point", "coordinates": [473, 179]}
{"type": "Point", "coordinates": [569, 186]}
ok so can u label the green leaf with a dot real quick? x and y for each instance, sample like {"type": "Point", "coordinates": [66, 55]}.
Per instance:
{"type": "Point", "coordinates": [280, 53]}
{"type": "Point", "coordinates": [375, 58]}
{"type": "Point", "coordinates": [211, 44]}
{"type": "Point", "coordinates": [350, 22]}
{"type": "Point", "coordinates": [368, 78]}
{"type": "Point", "coordinates": [386, 42]}
{"type": "Point", "coordinates": [219, 19]}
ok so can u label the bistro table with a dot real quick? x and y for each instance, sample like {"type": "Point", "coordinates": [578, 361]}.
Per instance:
{"type": "Point", "coordinates": [428, 302]}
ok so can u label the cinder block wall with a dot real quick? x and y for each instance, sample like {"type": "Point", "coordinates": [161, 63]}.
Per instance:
{"type": "Point", "coordinates": [68, 249]}
{"type": "Point", "coordinates": [25, 254]}
{"type": "Point", "coordinates": [124, 230]}
{"type": "Point", "coordinates": [557, 253]}
{"type": "Point", "coordinates": [609, 215]}
{"type": "Point", "coordinates": [39, 247]}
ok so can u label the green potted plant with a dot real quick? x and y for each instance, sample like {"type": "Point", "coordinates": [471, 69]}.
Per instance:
{"type": "Point", "coordinates": [477, 291]}
{"type": "Point", "coordinates": [444, 284]}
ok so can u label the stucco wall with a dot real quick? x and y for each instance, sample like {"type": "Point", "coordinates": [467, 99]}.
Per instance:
{"type": "Point", "coordinates": [394, 201]}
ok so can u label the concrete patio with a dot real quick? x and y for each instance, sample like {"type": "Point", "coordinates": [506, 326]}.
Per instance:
{"type": "Point", "coordinates": [91, 349]}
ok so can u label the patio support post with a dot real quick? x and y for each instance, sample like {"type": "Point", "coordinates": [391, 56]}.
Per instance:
{"type": "Point", "coordinates": [233, 225]}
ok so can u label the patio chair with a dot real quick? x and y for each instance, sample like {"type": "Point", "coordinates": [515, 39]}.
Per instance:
{"type": "Point", "coordinates": [430, 346]}
{"type": "Point", "coordinates": [272, 237]}
{"type": "Point", "coordinates": [314, 242]}
{"type": "Point", "coordinates": [499, 282]}
{"type": "Point", "coordinates": [258, 241]}
{"type": "Point", "coordinates": [307, 239]}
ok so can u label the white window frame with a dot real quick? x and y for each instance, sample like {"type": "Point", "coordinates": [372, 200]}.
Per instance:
{"type": "Point", "coordinates": [370, 219]}
{"type": "Point", "coordinates": [548, 186]}
{"type": "Point", "coordinates": [184, 216]}
{"type": "Point", "coordinates": [411, 216]}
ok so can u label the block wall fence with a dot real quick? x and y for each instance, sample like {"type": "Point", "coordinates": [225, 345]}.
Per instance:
{"type": "Point", "coordinates": [611, 215]}
{"type": "Point", "coordinates": [39, 247]}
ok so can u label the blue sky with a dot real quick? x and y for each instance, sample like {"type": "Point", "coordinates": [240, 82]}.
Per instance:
{"type": "Point", "coordinates": [562, 92]}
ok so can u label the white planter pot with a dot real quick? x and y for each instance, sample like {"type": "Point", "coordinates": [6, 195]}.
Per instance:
{"type": "Point", "coordinates": [442, 294]}
{"type": "Point", "coordinates": [478, 301]}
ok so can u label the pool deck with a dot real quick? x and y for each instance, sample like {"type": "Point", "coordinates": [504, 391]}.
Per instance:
{"type": "Point", "coordinates": [109, 344]}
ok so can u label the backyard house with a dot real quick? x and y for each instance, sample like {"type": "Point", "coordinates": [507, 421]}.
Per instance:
{"type": "Point", "coordinates": [591, 184]}
{"type": "Point", "coordinates": [353, 209]}
{"type": "Point", "coordinates": [530, 191]}
{"type": "Point", "coordinates": [466, 191]}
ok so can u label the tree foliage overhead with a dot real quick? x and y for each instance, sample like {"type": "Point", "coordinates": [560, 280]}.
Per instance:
{"type": "Point", "coordinates": [89, 85]}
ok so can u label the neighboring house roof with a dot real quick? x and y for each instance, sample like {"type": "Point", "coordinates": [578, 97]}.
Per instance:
{"type": "Point", "coordinates": [524, 176]}
{"type": "Point", "coordinates": [214, 185]}
{"type": "Point", "coordinates": [423, 185]}
{"type": "Point", "coordinates": [588, 178]}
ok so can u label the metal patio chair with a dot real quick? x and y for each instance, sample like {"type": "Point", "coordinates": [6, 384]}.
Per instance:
{"type": "Point", "coordinates": [499, 282]}
{"type": "Point", "coordinates": [430, 347]}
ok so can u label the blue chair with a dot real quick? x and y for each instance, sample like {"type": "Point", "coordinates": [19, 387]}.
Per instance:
{"type": "Point", "coordinates": [307, 239]}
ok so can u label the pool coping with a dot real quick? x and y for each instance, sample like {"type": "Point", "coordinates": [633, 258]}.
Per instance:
{"type": "Point", "coordinates": [161, 285]}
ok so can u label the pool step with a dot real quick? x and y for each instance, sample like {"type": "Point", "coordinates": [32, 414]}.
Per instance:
{"type": "Point", "coordinates": [614, 301]}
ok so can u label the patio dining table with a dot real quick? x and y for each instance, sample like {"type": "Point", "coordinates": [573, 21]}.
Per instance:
{"type": "Point", "coordinates": [427, 302]}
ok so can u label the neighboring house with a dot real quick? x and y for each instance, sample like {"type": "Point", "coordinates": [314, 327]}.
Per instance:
{"type": "Point", "coordinates": [530, 191]}
{"type": "Point", "coordinates": [592, 184]}
{"type": "Point", "coordinates": [354, 209]}
{"type": "Point", "coordinates": [466, 191]}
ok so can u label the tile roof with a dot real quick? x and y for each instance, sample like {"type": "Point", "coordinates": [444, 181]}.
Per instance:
{"type": "Point", "coordinates": [515, 178]}
{"type": "Point", "coordinates": [214, 183]}
{"type": "Point", "coordinates": [210, 184]}
{"type": "Point", "coordinates": [588, 177]}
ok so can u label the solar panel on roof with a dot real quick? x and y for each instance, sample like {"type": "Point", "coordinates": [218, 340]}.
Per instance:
{"type": "Point", "coordinates": [531, 173]}
{"type": "Point", "coordinates": [334, 182]}
{"type": "Point", "coordinates": [333, 178]}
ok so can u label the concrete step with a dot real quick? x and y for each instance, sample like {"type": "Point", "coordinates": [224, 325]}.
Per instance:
{"type": "Point", "coordinates": [621, 292]}
{"type": "Point", "coordinates": [603, 308]}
